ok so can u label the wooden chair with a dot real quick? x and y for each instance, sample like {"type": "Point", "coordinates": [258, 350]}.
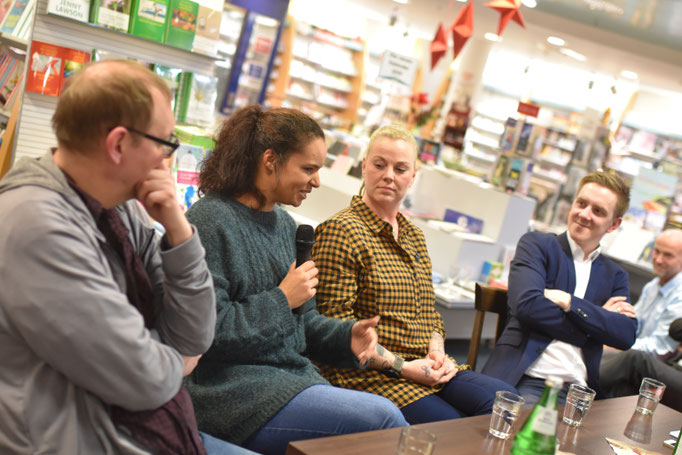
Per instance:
{"type": "Point", "coordinates": [488, 299]}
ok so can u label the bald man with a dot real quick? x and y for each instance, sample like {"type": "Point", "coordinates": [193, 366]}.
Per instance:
{"type": "Point", "coordinates": [658, 306]}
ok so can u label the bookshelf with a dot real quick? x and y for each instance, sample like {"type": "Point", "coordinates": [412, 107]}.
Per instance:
{"type": "Point", "coordinates": [34, 131]}
{"type": "Point", "coordinates": [320, 73]}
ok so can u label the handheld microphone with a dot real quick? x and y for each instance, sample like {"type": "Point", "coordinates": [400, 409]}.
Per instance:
{"type": "Point", "coordinates": [305, 237]}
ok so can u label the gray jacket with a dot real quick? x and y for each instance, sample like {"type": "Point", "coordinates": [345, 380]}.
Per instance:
{"type": "Point", "coordinates": [71, 344]}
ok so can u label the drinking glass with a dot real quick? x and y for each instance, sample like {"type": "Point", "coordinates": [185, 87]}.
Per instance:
{"type": "Point", "coordinates": [650, 393]}
{"type": "Point", "coordinates": [578, 401]}
{"type": "Point", "coordinates": [506, 408]}
{"type": "Point", "coordinates": [414, 441]}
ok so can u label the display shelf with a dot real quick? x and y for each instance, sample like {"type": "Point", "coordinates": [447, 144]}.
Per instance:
{"type": "Point", "coordinates": [341, 71]}
{"type": "Point", "coordinates": [13, 41]}
{"type": "Point", "coordinates": [34, 134]}
{"type": "Point", "coordinates": [311, 78]}
{"type": "Point", "coordinates": [321, 84]}
{"type": "Point", "coordinates": [560, 164]}
{"type": "Point", "coordinates": [117, 35]}
{"type": "Point", "coordinates": [472, 153]}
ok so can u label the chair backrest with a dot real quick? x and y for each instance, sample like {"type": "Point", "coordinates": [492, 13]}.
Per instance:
{"type": "Point", "coordinates": [488, 299]}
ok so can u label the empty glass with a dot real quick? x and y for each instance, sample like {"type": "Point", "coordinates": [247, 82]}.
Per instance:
{"type": "Point", "coordinates": [578, 401]}
{"type": "Point", "coordinates": [414, 441]}
{"type": "Point", "coordinates": [650, 393]}
{"type": "Point", "coordinates": [505, 410]}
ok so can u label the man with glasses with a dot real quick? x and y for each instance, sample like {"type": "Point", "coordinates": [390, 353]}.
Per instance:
{"type": "Point", "coordinates": [99, 322]}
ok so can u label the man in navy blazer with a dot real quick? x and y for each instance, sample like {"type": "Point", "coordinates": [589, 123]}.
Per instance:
{"type": "Point", "coordinates": [566, 301]}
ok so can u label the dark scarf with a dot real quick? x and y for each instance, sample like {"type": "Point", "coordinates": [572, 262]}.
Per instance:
{"type": "Point", "coordinates": [172, 428]}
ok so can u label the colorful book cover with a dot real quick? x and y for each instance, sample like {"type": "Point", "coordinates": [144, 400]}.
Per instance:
{"type": "Point", "coordinates": [23, 27]}
{"type": "Point", "coordinates": [73, 61]}
{"type": "Point", "coordinates": [13, 79]}
{"type": "Point", "coordinates": [13, 16]}
{"type": "Point", "coordinates": [468, 222]}
{"type": "Point", "coordinates": [148, 19]}
{"type": "Point", "coordinates": [182, 23]}
{"type": "Point", "coordinates": [50, 65]}
{"type": "Point", "coordinates": [73, 9]}
{"type": "Point", "coordinates": [12, 95]}
{"type": "Point", "coordinates": [207, 34]}
{"type": "Point", "coordinates": [113, 14]}
{"type": "Point", "coordinates": [5, 5]}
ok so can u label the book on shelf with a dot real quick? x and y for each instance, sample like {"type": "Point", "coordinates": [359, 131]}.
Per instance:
{"type": "Point", "coordinates": [148, 19]}
{"type": "Point", "coordinates": [113, 14]}
{"type": "Point", "coordinates": [73, 9]}
{"type": "Point", "coordinates": [196, 99]}
{"type": "Point", "coordinates": [182, 23]}
{"type": "Point", "coordinates": [23, 27]}
{"type": "Point", "coordinates": [11, 77]}
{"type": "Point", "coordinates": [51, 65]}
{"type": "Point", "coordinates": [207, 36]}
{"type": "Point", "coordinates": [194, 135]}
{"type": "Point", "coordinates": [5, 6]}
{"type": "Point", "coordinates": [18, 13]}
{"type": "Point", "coordinates": [172, 78]}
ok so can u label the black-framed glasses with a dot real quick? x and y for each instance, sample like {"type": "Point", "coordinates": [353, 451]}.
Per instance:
{"type": "Point", "coordinates": [169, 145]}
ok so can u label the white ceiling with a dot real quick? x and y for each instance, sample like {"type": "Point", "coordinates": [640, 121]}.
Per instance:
{"type": "Point", "coordinates": [658, 67]}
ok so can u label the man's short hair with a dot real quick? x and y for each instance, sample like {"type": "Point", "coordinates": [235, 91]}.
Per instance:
{"type": "Point", "coordinates": [613, 182]}
{"type": "Point", "coordinates": [102, 96]}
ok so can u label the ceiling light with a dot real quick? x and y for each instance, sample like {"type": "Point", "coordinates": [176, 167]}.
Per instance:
{"type": "Point", "coordinates": [529, 3]}
{"type": "Point", "coordinates": [573, 54]}
{"type": "Point", "coordinates": [402, 2]}
{"type": "Point", "coordinates": [629, 74]}
{"type": "Point", "coordinates": [555, 40]}
{"type": "Point", "coordinates": [491, 37]}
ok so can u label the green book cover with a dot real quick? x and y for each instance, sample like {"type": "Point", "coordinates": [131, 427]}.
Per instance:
{"type": "Point", "coordinates": [113, 14]}
{"type": "Point", "coordinates": [148, 19]}
{"type": "Point", "coordinates": [182, 23]}
{"type": "Point", "coordinates": [182, 95]}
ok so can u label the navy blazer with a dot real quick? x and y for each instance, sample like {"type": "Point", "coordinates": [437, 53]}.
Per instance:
{"type": "Point", "coordinates": [544, 261]}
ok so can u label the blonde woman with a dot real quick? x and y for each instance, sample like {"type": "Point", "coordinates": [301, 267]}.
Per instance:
{"type": "Point", "coordinates": [373, 261]}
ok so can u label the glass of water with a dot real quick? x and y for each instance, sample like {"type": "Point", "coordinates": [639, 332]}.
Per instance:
{"type": "Point", "coordinates": [414, 441]}
{"type": "Point", "coordinates": [506, 408]}
{"type": "Point", "coordinates": [578, 401]}
{"type": "Point", "coordinates": [650, 393]}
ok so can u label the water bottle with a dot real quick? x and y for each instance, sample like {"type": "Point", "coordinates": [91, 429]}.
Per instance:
{"type": "Point", "coordinates": [538, 434]}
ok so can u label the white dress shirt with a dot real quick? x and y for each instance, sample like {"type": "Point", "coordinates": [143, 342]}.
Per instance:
{"type": "Point", "coordinates": [559, 358]}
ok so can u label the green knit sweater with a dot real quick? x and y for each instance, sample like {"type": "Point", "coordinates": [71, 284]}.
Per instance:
{"type": "Point", "coordinates": [259, 358]}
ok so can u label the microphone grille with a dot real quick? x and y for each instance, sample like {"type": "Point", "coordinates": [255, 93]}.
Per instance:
{"type": "Point", "coordinates": [305, 232]}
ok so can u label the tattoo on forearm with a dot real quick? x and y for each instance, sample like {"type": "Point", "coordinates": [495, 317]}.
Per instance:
{"type": "Point", "coordinates": [427, 371]}
{"type": "Point", "coordinates": [380, 364]}
{"type": "Point", "coordinates": [380, 350]}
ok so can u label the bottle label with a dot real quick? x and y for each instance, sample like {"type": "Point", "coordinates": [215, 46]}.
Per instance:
{"type": "Point", "coordinates": [545, 421]}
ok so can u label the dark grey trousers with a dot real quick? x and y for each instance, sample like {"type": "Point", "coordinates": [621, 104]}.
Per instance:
{"type": "Point", "coordinates": [621, 374]}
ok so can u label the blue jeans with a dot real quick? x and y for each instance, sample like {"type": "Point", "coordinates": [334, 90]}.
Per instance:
{"type": "Point", "coordinates": [467, 394]}
{"type": "Point", "coordinates": [531, 389]}
{"type": "Point", "coordinates": [323, 410]}
{"type": "Point", "coordinates": [215, 446]}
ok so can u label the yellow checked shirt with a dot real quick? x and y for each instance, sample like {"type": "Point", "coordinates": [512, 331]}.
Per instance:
{"type": "Point", "coordinates": [364, 272]}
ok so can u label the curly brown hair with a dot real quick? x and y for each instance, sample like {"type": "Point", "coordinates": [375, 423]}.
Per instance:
{"type": "Point", "coordinates": [241, 141]}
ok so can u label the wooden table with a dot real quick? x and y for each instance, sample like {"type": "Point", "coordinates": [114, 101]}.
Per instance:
{"type": "Point", "coordinates": [607, 418]}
